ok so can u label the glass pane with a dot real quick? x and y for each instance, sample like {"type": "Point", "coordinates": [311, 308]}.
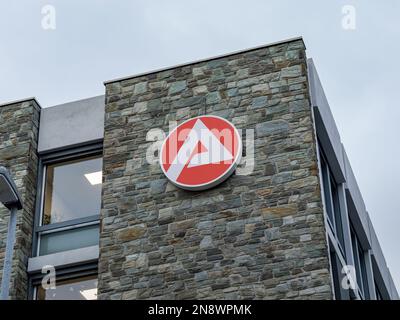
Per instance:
{"type": "Point", "coordinates": [69, 239]}
{"type": "Point", "coordinates": [340, 292]}
{"type": "Point", "coordinates": [327, 195]}
{"type": "Point", "coordinates": [361, 254]}
{"type": "Point", "coordinates": [336, 276]}
{"type": "Point", "coordinates": [84, 288]}
{"type": "Point", "coordinates": [72, 190]}
{"type": "Point", "coordinates": [356, 261]}
{"type": "Point", "coordinates": [338, 217]}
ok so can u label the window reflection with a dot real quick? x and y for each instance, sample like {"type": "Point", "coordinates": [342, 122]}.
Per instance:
{"type": "Point", "coordinates": [84, 288]}
{"type": "Point", "coordinates": [72, 190]}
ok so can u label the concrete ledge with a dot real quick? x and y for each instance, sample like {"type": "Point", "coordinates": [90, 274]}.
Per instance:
{"type": "Point", "coordinates": [65, 258]}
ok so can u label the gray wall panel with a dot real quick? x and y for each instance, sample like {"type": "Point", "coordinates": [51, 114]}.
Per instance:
{"type": "Point", "coordinates": [71, 124]}
{"type": "Point", "coordinates": [325, 123]}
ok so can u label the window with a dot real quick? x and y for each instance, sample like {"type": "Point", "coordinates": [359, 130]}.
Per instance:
{"type": "Point", "coordinates": [83, 288]}
{"type": "Point", "coordinates": [67, 217]}
{"type": "Point", "coordinates": [332, 204]}
{"type": "Point", "coordinates": [71, 203]}
{"type": "Point", "coordinates": [359, 265]}
{"type": "Point", "coordinates": [72, 190]}
{"type": "Point", "coordinates": [378, 293]}
{"type": "Point", "coordinates": [337, 212]}
{"type": "Point", "coordinates": [82, 236]}
{"type": "Point", "coordinates": [337, 275]}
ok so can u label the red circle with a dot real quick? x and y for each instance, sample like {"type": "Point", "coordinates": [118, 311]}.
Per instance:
{"type": "Point", "coordinates": [201, 152]}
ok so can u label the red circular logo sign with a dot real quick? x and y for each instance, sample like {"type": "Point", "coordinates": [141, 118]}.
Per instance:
{"type": "Point", "coordinates": [201, 152]}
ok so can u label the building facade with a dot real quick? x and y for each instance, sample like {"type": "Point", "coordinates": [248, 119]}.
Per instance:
{"type": "Point", "coordinates": [289, 224]}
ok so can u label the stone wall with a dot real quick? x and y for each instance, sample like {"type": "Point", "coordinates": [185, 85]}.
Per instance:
{"type": "Point", "coordinates": [259, 236]}
{"type": "Point", "coordinates": [19, 123]}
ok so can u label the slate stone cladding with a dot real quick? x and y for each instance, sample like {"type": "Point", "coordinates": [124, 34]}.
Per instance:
{"type": "Point", "coordinates": [257, 236]}
{"type": "Point", "coordinates": [19, 123]}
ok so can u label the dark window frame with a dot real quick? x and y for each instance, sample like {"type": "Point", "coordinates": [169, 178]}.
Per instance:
{"type": "Point", "coordinates": [58, 157]}
{"type": "Point", "coordinates": [62, 272]}
{"type": "Point", "coordinates": [359, 265]}
{"type": "Point", "coordinates": [332, 203]}
{"type": "Point", "coordinates": [337, 275]}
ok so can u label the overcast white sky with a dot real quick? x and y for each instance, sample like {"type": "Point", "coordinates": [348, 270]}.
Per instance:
{"type": "Point", "coordinates": [98, 40]}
